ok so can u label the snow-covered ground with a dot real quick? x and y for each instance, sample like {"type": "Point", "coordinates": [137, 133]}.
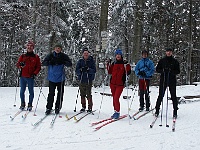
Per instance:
{"type": "Point", "coordinates": [19, 134]}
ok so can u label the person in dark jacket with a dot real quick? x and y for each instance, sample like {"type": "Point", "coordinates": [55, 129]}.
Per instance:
{"type": "Point", "coordinates": [168, 67]}
{"type": "Point", "coordinates": [29, 65]}
{"type": "Point", "coordinates": [85, 70]}
{"type": "Point", "coordinates": [56, 76]}
{"type": "Point", "coordinates": [119, 69]}
{"type": "Point", "coordinates": [144, 69]}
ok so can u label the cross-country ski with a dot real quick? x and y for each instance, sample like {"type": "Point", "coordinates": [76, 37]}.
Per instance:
{"type": "Point", "coordinates": [153, 122]}
{"type": "Point", "coordinates": [69, 118]}
{"type": "Point", "coordinates": [83, 116]}
{"type": "Point", "coordinates": [139, 114]}
{"type": "Point", "coordinates": [98, 122]}
{"type": "Point", "coordinates": [109, 122]}
{"type": "Point", "coordinates": [16, 114]}
{"type": "Point", "coordinates": [133, 116]}
{"type": "Point", "coordinates": [25, 115]}
{"type": "Point", "coordinates": [39, 121]}
{"type": "Point", "coordinates": [53, 120]}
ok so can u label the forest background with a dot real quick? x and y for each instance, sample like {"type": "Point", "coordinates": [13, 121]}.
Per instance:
{"type": "Point", "coordinates": [102, 26]}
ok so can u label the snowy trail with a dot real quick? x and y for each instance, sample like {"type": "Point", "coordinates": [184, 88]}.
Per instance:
{"type": "Point", "coordinates": [19, 134]}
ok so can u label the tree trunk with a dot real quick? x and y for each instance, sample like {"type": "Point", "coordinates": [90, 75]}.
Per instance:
{"type": "Point", "coordinates": [100, 55]}
{"type": "Point", "coordinates": [52, 37]}
{"type": "Point", "coordinates": [34, 19]}
{"type": "Point", "coordinates": [189, 79]}
{"type": "Point", "coordinates": [138, 32]}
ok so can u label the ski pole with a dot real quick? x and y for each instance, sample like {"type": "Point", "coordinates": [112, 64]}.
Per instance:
{"type": "Point", "coordinates": [62, 84]}
{"type": "Point", "coordinates": [103, 85]}
{"type": "Point", "coordinates": [15, 97]}
{"type": "Point", "coordinates": [40, 89]}
{"type": "Point", "coordinates": [76, 99]}
{"type": "Point", "coordinates": [38, 95]}
{"type": "Point", "coordinates": [128, 98]}
{"type": "Point", "coordinates": [167, 100]}
{"type": "Point", "coordinates": [78, 92]}
{"type": "Point", "coordinates": [37, 102]}
{"type": "Point", "coordinates": [61, 95]}
{"type": "Point", "coordinates": [134, 88]}
{"type": "Point", "coordinates": [127, 92]}
{"type": "Point", "coordinates": [162, 99]}
{"type": "Point", "coordinates": [16, 92]}
{"type": "Point", "coordinates": [147, 91]}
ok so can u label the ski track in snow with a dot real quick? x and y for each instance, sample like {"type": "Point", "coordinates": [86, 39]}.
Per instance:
{"type": "Point", "coordinates": [19, 134]}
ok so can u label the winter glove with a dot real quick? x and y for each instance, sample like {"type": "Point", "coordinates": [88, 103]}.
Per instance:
{"type": "Point", "coordinates": [33, 76]}
{"type": "Point", "coordinates": [142, 73]}
{"type": "Point", "coordinates": [108, 61]}
{"type": "Point", "coordinates": [22, 64]}
{"type": "Point", "coordinates": [60, 61]}
{"type": "Point", "coordinates": [166, 69]}
{"type": "Point", "coordinates": [85, 69]}
{"type": "Point", "coordinates": [125, 61]}
{"type": "Point", "coordinates": [52, 61]}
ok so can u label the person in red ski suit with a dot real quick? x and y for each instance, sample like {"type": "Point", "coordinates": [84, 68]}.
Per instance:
{"type": "Point", "coordinates": [119, 69]}
{"type": "Point", "coordinates": [29, 65]}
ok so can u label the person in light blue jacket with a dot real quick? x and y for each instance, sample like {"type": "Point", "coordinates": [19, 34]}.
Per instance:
{"type": "Point", "coordinates": [56, 76]}
{"type": "Point", "coordinates": [144, 70]}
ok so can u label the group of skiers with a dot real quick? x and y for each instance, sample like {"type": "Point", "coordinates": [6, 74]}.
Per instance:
{"type": "Point", "coordinates": [168, 67]}
{"type": "Point", "coordinates": [30, 65]}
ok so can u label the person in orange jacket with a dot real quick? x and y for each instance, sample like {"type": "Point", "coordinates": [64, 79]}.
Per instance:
{"type": "Point", "coordinates": [119, 69]}
{"type": "Point", "coordinates": [29, 65]}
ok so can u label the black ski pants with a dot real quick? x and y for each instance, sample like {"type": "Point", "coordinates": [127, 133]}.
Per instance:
{"type": "Point", "coordinates": [162, 89]}
{"type": "Point", "coordinates": [60, 92]}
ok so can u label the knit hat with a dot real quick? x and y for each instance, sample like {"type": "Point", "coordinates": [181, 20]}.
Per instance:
{"type": "Point", "coordinates": [31, 43]}
{"type": "Point", "coordinates": [118, 52]}
{"type": "Point", "coordinates": [145, 51]}
{"type": "Point", "coordinates": [85, 49]}
{"type": "Point", "coordinates": [168, 49]}
{"type": "Point", "coordinates": [58, 45]}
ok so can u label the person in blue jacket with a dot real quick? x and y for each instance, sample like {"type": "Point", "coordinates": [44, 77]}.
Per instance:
{"type": "Point", "coordinates": [56, 76]}
{"type": "Point", "coordinates": [85, 70]}
{"type": "Point", "coordinates": [144, 70]}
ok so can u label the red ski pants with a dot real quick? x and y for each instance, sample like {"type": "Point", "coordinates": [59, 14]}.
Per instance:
{"type": "Point", "coordinates": [116, 91]}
